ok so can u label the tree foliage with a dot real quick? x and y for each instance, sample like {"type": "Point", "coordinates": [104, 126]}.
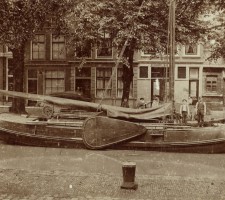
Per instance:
{"type": "Point", "coordinates": [144, 22]}
{"type": "Point", "coordinates": [20, 20]}
{"type": "Point", "coordinates": [216, 36]}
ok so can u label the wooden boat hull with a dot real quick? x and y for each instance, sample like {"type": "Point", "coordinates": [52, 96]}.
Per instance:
{"type": "Point", "coordinates": [165, 138]}
{"type": "Point", "coordinates": [41, 134]}
{"type": "Point", "coordinates": [98, 132]}
{"type": "Point", "coordinates": [19, 138]}
{"type": "Point", "coordinates": [169, 138]}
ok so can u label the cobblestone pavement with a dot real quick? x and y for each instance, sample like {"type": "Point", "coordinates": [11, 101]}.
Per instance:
{"type": "Point", "coordinates": [59, 185]}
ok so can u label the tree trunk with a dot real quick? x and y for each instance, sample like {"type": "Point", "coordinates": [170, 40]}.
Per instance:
{"type": "Point", "coordinates": [128, 73]}
{"type": "Point", "coordinates": [18, 104]}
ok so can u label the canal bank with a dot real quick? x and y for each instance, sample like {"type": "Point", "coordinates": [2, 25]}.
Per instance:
{"type": "Point", "coordinates": [31, 173]}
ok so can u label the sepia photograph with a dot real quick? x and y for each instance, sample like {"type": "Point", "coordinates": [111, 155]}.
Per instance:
{"type": "Point", "coordinates": [112, 100]}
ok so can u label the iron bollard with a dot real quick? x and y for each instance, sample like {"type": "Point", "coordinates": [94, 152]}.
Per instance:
{"type": "Point", "coordinates": [129, 169]}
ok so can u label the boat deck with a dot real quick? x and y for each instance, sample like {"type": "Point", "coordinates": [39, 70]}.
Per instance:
{"type": "Point", "coordinates": [24, 119]}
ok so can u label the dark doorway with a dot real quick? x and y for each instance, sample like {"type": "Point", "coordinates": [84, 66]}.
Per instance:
{"type": "Point", "coordinates": [83, 81]}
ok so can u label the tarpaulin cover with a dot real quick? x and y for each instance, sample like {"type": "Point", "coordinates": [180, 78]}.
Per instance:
{"type": "Point", "coordinates": [141, 114]}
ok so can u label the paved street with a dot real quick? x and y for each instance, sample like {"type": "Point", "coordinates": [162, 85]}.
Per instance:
{"type": "Point", "coordinates": [30, 173]}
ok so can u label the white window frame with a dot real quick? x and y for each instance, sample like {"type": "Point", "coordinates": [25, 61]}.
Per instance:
{"type": "Point", "coordinates": [192, 55]}
{"type": "Point", "coordinates": [56, 78]}
{"type": "Point", "coordinates": [186, 72]}
{"type": "Point", "coordinates": [148, 69]}
{"type": "Point", "coordinates": [105, 35]}
{"type": "Point", "coordinates": [51, 49]}
{"type": "Point", "coordinates": [38, 51]}
{"type": "Point", "coordinates": [105, 83]}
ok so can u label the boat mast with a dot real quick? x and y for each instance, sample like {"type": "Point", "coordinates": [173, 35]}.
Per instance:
{"type": "Point", "coordinates": [171, 48]}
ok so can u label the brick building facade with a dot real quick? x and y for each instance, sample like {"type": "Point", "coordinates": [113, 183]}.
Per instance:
{"type": "Point", "coordinates": [50, 67]}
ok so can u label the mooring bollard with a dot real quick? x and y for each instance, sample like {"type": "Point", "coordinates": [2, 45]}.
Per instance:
{"type": "Point", "coordinates": [129, 169]}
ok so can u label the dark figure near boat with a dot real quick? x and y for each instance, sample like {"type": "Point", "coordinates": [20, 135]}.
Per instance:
{"type": "Point", "coordinates": [141, 103]}
{"type": "Point", "coordinates": [184, 111]}
{"type": "Point", "coordinates": [200, 111]}
{"type": "Point", "coordinates": [125, 103]}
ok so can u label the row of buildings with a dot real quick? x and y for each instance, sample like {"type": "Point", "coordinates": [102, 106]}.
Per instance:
{"type": "Point", "coordinates": [50, 68]}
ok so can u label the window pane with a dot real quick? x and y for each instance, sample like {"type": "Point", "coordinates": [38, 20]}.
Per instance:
{"type": "Point", "coordinates": [181, 72]}
{"type": "Point", "coordinates": [84, 51]}
{"type": "Point", "coordinates": [38, 47]}
{"type": "Point", "coordinates": [102, 79]}
{"type": "Point", "coordinates": [191, 50]}
{"type": "Point", "coordinates": [211, 83]}
{"type": "Point", "coordinates": [83, 72]}
{"type": "Point", "coordinates": [108, 72]}
{"type": "Point", "coordinates": [61, 74]}
{"type": "Point", "coordinates": [35, 47]}
{"type": "Point", "coordinates": [41, 47]}
{"type": "Point", "coordinates": [159, 72]}
{"type": "Point", "coordinates": [58, 47]}
{"type": "Point", "coordinates": [35, 55]}
{"type": "Point", "coordinates": [143, 72]}
{"type": "Point", "coordinates": [32, 86]}
{"type": "Point", "coordinates": [105, 46]}
{"type": "Point", "coordinates": [54, 81]}
{"type": "Point", "coordinates": [41, 55]}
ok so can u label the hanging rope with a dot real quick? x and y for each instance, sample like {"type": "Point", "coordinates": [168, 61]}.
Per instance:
{"type": "Point", "coordinates": [119, 60]}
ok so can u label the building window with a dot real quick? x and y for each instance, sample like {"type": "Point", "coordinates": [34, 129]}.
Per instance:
{"type": "Point", "coordinates": [104, 48]}
{"type": "Point", "coordinates": [143, 72]}
{"type": "Point", "coordinates": [120, 84]}
{"type": "Point", "coordinates": [84, 51]}
{"type": "Point", "coordinates": [211, 83]}
{"type": "Point", "coordinates": [159, 72]}
{"type": "Point", "coordinates": [157, 51]}
{"type": "Point", "coordinates": [159, 82]}
{"type": "Point", "coordinates": [54, 81]}
{"type": "Point", "coordinates": [181, 72]}
{"type": "Point", "coordinates": [58, 48]}
{"type": "Point", "coordinates": [32, 85]}
{"type": "Point", "coordinates": [191, 49]}
{"type": "Point", "coordinates": [102, 79]}
{"type": "Point", "coordinates": [32, 81]}
{"type": "Point", "coordinates": [38, 47]}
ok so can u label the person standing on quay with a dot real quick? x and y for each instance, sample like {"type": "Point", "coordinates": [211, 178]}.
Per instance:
{"type": "Point", "coordinates": [184, 111]}
{"type": "Point", "coordinates": [200, 111]}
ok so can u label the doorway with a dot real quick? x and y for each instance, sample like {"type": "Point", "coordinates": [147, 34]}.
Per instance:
{"type": "Point", "coordinates": [193, 90]}
{"type": "Point", "coordinates": [83, 81]}
{"type": "Point", "coordinates": [158, 88]}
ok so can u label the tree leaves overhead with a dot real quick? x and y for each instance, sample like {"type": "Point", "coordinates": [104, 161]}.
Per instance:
{"type": "Point", "coordinates": [21, 19]}
{"type": "Point", "coordinates": [138, 18]}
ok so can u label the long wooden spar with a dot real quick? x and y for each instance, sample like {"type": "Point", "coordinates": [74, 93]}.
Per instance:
{"type": "Point", "coordinates": [112, 111]}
